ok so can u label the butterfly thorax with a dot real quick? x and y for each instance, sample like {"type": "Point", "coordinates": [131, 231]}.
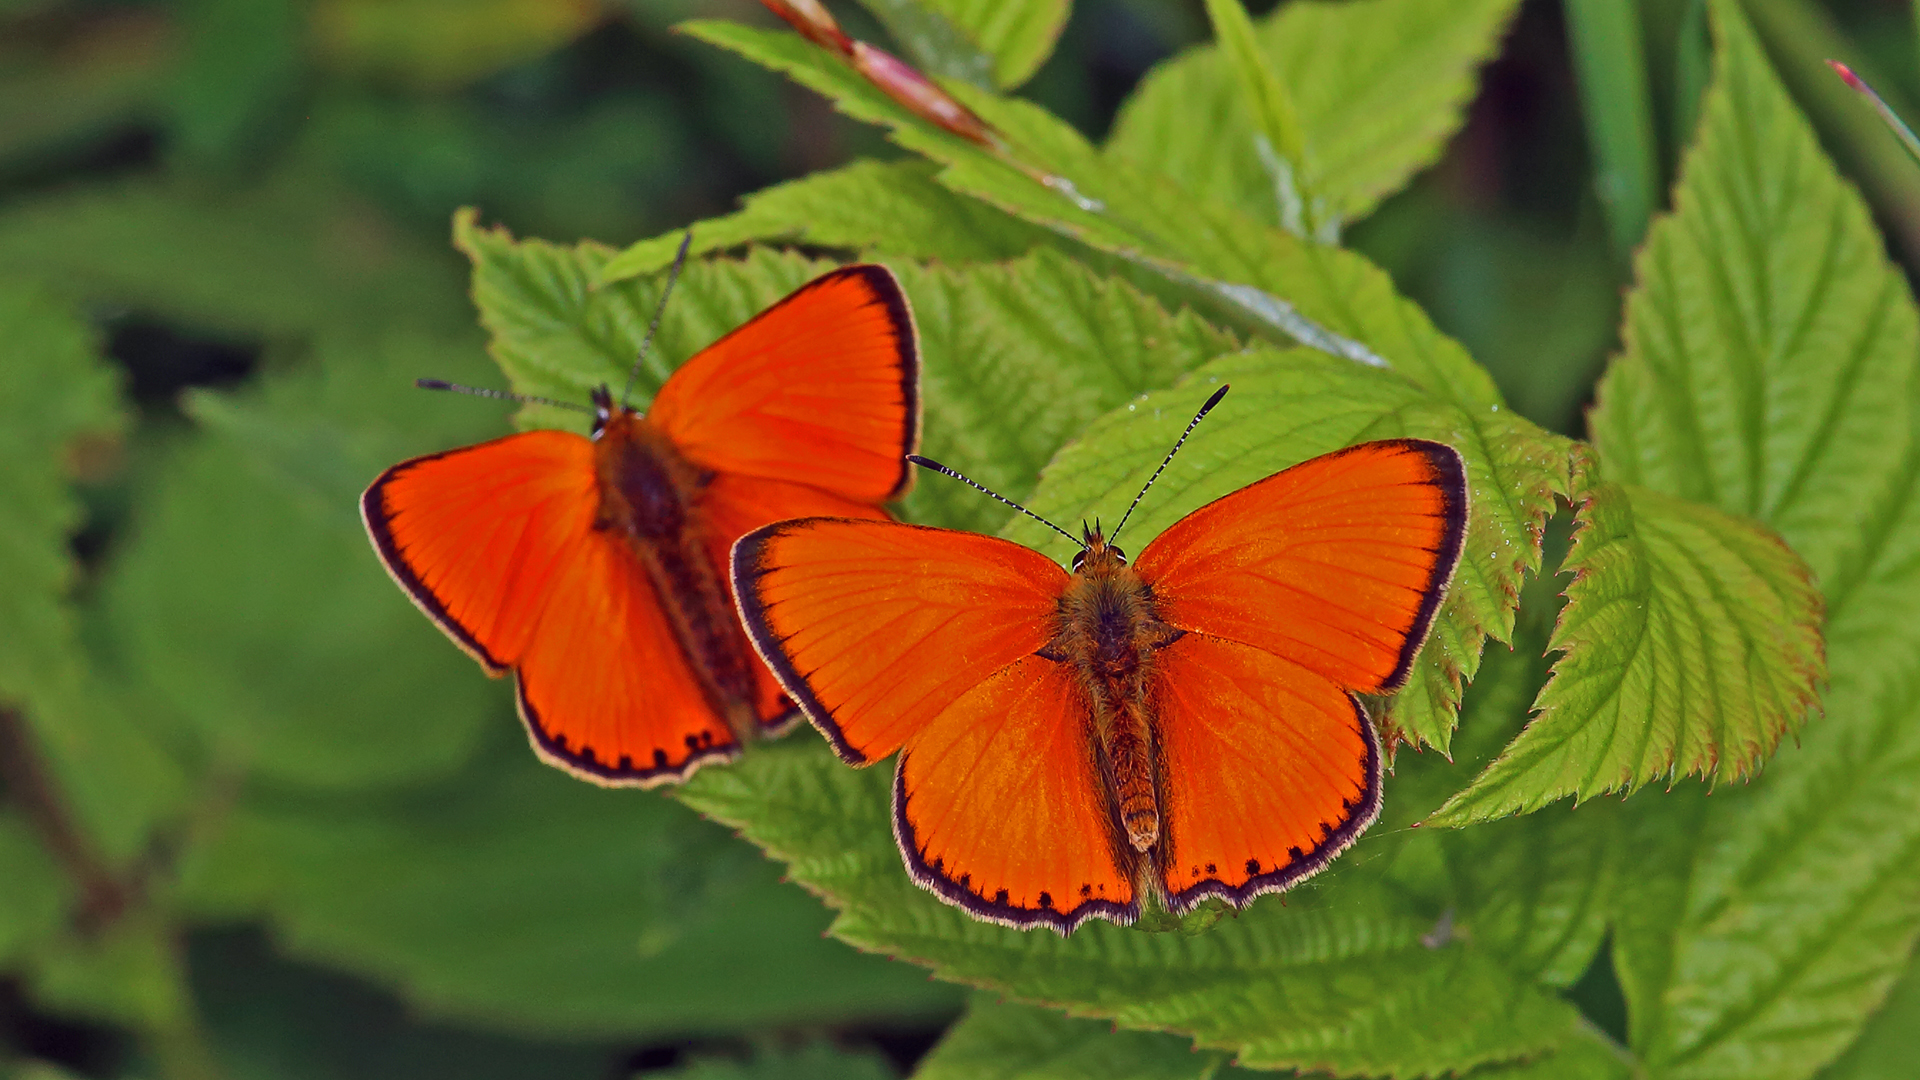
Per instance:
{"type": "Point", "coordinates": [1107, 626]}
{"type": "Point", "coordinates": [648, 493]}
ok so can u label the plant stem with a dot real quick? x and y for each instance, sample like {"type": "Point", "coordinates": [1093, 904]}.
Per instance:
{"type": "Point", "coordinates": [103, 896]}
{"type": "Point", "coordinates": [1800, 38]}
{"type": "Point", "coordinates": [173, 1031]}
{"type": "Point", "coordinates": [1612, 71]}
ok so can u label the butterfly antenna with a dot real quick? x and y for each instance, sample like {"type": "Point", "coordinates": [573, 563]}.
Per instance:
{"type": "Point", "coordinates": [1177, 443]}
{"type": "Point", "coordinates": [929, 463]}
{"type": "Point", "coordinates": [481, 391]}
{"type": "Point", "coordinates": [673, 275]}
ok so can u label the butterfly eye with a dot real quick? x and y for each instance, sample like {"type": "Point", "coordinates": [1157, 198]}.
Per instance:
{"type": "Point", "coordinates": [1078, 558]}
{"type": "Point", "coordinates": [1118, 554]}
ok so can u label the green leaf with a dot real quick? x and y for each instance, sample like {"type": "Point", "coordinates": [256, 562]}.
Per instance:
{"type": "Point", "coordinates": [127, 974]}
{"type": "Point", "coordinates": [279, 637]}
{"type": "Point", "coordinates": [1690, 642]}
{"type": "Point", "coordinates": [238, 77]}
{"type": "Point", "coordinates": [1770, 371]}
{"type": "Point", "coordinates": [218, 261]}
{"type": "Point", "coordinates": [1337, 303]}
{"type": "Point", "coordinates": [443, 44]}
{"type": "Point", "coordinates": [1010, 41]}
{"type": "Point", "coordinates": [60, 415]}
{"type": "Point", "coordinates": [1768, 341]}
{"type": "Point", "coordinates": [58, 405]}
{"type": "Point", "coordinates": [1005, 1041]}
{"type": "Point", "coordinates": [1019, 358]}
{"type": "Point", "coordinates": [1379, 86]}
{"type": "Point", "coordinates": [1589, 1055]}
{"type": "Point", "coordinates": [880, 208]}
{"type": "Point", "coordinates": [1276, 123]}
{"type": "Point", "coordinates": [602, 912]}
{"type": "Point", "coordinates": [933, 43]}
{"type": "Point", "coordinates": [1884, 1050]}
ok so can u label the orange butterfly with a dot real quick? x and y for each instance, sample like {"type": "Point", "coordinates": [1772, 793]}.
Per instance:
{"type": "Point", "coordinates": [595, 569]}
{"type": "Point", "coordinates": [1185, 726]}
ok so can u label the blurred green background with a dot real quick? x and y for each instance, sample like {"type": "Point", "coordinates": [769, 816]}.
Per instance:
{"type": "Point", "coordinates": [247, 203]}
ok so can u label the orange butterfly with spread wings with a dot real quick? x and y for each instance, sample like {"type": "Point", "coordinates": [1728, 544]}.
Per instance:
{"type": "Point", "coordinates": [1185, 726]}
{"type": "Point", "coordinates": [594, 568]}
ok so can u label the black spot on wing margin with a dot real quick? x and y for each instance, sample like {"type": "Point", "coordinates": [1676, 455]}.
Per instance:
{"type": "Point", "coordinates": [585, 764]}
{"type": "Point", "coordinates": [934, 879]}
{"type": "Point", "coordinates": [1338, 836]}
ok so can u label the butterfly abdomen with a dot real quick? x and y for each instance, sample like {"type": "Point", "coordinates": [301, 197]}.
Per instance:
{"type": "Point", "coordinates": [1108, 629]}
{"type": "Point", "coordinates": [646, 491]}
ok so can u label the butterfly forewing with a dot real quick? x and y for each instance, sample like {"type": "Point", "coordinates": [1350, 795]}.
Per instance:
{"type": "Point", "coordinates": [446, 524]}
{"type": "Point", "coordinates": [1337, 564]}
{"type": "Point", "coordinates": [875, 627]}
{"type": "Point", "coordinates": [819, 389]}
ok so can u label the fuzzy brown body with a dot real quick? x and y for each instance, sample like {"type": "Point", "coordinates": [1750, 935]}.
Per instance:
{"type": "Point", "coordinates": [1108, 629]}
{"type": "Point", "coordinates": [648, 491]}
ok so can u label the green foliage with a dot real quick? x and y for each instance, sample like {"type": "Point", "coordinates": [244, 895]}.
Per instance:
{"type": "Point", "coordinates": [605, 913]}
{"type": "Point", "coordinates": [33, 895]}
{"type": "Point", "coordinates": [1018, 37]}
{"type": "Point", "coordinates": [1771, 918]}
{"type": "Point", "coordinates": [1884, 1050]}
{"type": "Point", "coordinates": [1691, 642]}
{"type": "Point", "coordinates": [363, 692]}
{"type": "Point", "coordinates": [1378, 87]}
{"type": "Point", "coordinates": [241, 721]}
{"type": "Point", "coordinates": [878, 208]}
{"type": "Point", "coordinates": [436, 43]}
{"type": "Point", "coordinates": [59, 407]}
{"type": "Point", "coordinates": [1003, 1041]}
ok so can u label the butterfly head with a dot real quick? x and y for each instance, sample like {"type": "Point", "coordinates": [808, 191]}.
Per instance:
{"type": "Point", "coordinates": [604, 409]}
{"type": "Point", "coordinates": [1095, 553]}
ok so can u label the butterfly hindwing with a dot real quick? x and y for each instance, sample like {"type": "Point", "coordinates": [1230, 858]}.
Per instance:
{"type": "Point", "coordinates": [1337, 564]}
{"type": "Point", "coordinates": [819, 389]}
{"type": "Point", "coordinates": [998, 805]}
{"type": "Point", "coordinates": [497, 542]}
{"type": "Point", "coordinates": [1271, 770]}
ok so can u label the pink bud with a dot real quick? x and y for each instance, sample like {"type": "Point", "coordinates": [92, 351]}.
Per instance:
{"type": "Point", "coordinates": [814, 22]}
{"type": "Point", "coordinates": [918, 93]}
